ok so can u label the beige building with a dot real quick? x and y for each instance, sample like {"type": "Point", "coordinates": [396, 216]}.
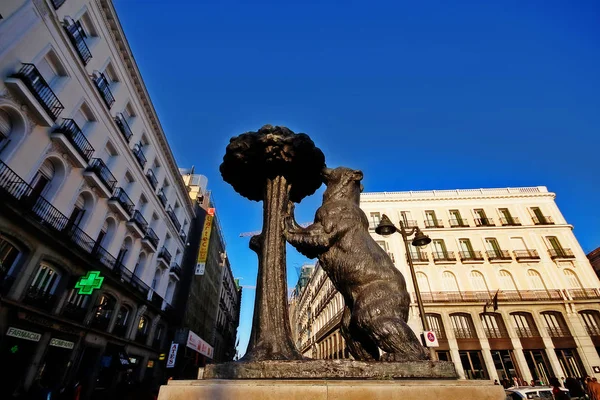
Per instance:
{"type": "Point", "coordinates": [87, 183]}
{"type": "Point", "coordinates": [513, 242]}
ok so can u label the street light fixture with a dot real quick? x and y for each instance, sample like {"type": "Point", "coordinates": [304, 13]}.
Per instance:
{"type": "Point", "coordinates": [386, 228]}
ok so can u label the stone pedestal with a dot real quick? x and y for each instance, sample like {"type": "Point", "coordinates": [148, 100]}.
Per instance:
{"type": "Point", "coordinates": [351, 389]}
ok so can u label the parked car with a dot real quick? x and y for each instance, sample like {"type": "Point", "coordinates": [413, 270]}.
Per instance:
{"type": "Point", "coordinates": [531, 392]}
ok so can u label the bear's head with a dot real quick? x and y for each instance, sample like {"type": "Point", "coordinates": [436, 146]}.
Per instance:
{"type": "Point", "coordinates": [342, 184]}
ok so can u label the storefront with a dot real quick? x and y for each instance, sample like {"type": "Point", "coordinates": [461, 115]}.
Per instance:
{"type": "Point", "coordinates": [17, 351]}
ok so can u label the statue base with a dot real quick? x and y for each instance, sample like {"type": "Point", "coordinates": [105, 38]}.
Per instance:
{"type": "Point", "coordinates": [329, 369]}
{"type": "Point", "coordinates": [350, 389]}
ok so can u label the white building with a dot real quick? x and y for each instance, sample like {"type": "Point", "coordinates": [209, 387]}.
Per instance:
{"type": "Point", "coordinates": [512, 241]}
{"type": "Point", "coordinates": [88, 182]}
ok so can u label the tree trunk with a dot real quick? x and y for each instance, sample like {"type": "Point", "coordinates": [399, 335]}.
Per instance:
{"type": "Point", "coordinates": [271, 337]}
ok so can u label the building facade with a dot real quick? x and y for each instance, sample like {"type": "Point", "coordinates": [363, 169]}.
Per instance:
{"type": "Point", "coordinates": [228, 316]}
{"type": "Point", "coordinates": [594, 257]}
{"type": "Point", "coordinates": [513, 242]}
{"type": "Point", "coordinates": [88, 184]}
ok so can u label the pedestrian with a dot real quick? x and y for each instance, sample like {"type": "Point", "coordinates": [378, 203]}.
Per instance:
{"type": "Point", "coordinates": [575, 389]}
{"type": "Point", "coordinates": [515, 381]}
{"type": "Point", "coordinates": [556, 392]}
{"type": "Point", "coordinates": [593, 388]}
{"type": "Point", "coordinates": [532, 382]}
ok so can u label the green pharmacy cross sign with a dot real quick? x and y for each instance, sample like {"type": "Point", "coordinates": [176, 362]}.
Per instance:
{"type": "Point", "coordinates": [87, 284]}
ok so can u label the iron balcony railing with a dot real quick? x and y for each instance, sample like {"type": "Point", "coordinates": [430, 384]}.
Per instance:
{"type": "Point", "coordinates": [23, 196]}
{"type": "Point", "coordinates": [39, 298]}
{"type": "Point", "coordinates": [174, 219]}
{"type": "Point", "coordinates": [498, 255]}
{"type": "Point", "coordinates": [419, 257]}
{"type": "Point", "coordinates": [495, 333]}
{"type": "Point", "coordinates": [464, 333]}
{"type": "Point", "coordinates": [74, 312]}
{"type": "Point", "coordinates": [526, 255]}
{"type": "Point", "coordinates": [484, 222]}
{"type": "Point", "coordinates": [443, 256]}
{"type": "Point", "coordinates": [584, 294]}
{"type": "Point", "coordinates": [152, 237]}
{"type": "Point", "coordinates": [126, 131]}
{"type": "Point", "coordinates": [58, 3]}
{"type": "Point", "coordinates": [558, 331]}
{"type": "Point", "coordinates": [77, 37]}
{"type": "Point", "coordinates": [139, 155]}
{"type": "Point", "coordinates": [408, 224]}
{"type": "Point", "coordinates": [161, 196]}
{"type": "Point", "coordinates": [458, 223]}
{"type": "Point", "coordinates": [524, 332]}
{"type": "Point", "coordinates": [165, 255]}
{"type": "Point", "coordinates": [434, 223]}
{"type": "Point", "coordinates": [119, 330]}
{"type": "Point", "coordinates": [592, 330]}
{"type": "Point", "coordinates": [35, 82]}
{"type": "Point", "coordinates": [510, 221]}
{"type": "Point", "coordinates": [485, 296]}
{"type": "Point", "coordinates": [138, 219]}
{"type": "Point", "coordinates": [471, 255]}
{"type": "Point", "coordinates": [176, 269]}
{"type": "Point", "coordinates": [542, 220]}
{"type": "Point", "coordinates": [152, 179]}
{"type": "Point", "coordinates": [561, 253]}
{"type": "Point", "coordinates": [104, 88]}
{"type": "Point", "coordinates": [75, 136]}
{"type": "Point", "coordinates": [121, 197]}
{"type": "Point", "coordinates": [103, 173]}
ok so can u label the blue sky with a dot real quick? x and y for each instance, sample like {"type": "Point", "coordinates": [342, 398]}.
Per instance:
{"type": "Point", "coordinates": [469, 94]}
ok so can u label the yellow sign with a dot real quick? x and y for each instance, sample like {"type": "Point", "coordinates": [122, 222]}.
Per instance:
{"type": "Point", "coordinates": [204, 240]}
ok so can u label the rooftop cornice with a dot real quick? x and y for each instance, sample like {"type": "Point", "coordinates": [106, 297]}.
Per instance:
{"type": "Point", "coordinates": [110, 16]}
{"type": "Point", "coordinates": [462, 194]}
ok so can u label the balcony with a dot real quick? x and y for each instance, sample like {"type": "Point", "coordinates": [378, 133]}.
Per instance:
{"type": "Point", "coordinates": [183, 236]}
{"type": "Point", "coordinates": [164, 257]}
{"type": "Point", "coordinates": [542, 220]}
{"type": "Point", "coordinates": [558, 331]}
{"type": "Point", "coordinates": [584, 294]}
{"type": "Point", "coordinates": [434, 223]}
{"type": "Point", "coordinates": [100, 322]}
{"type": "Point", "coordinates": [75, 313]}
{"type": "Point", "coordinates": [137, 224]}
{"type": "Point", "coordinates": [40, 299]}
{"type": "Point", "coordinates": [120, 330]}
{"type": "Point", "coordinates": [98, 175]}
{"type": "Point", "coordinates": [70, 137]}
{"type": "Point", "coordinates": [175, 271]}
{"type": "Point", "coordinates": [152, 179]}
{"type": "Point", "coordinates": [495, 333]}
{"type": "Point", "coordinates": [57, 3]}
{"type": "Point", "coordinates": [104, 88]}
{"type": "Point", "coordinates": [458, 223]}
{"type": "Point", "coordinates": [470, 256]}
{"type": "Point", "coordinates": [121, 203]}
{"type": "Point", "coordinates": [498, 255]}
{"type": "Point", "coordinates": [150, 240]}
{"type": "Point", "coordinates": [77, 37]}
{"type": "Point", "coordinates": [139, 155]}
{"type": "Point", "coordinates": [485, 296]}
{"type": "Point", "coordinates": [561, 253]}
{"type": "Point", "coordinates": [525, 332]}
{"type": "Point", "coordinates": [121, 122]}
{"type": "Point", "coordinates": [161, 197]}
{"type": "Point", "coordinates": [174, 219]}
{"type": "Point", "coordinates": [526, 255]}
{"type": "Point", "coordinates": [419, 257]}
{"type": "Point", "coordinates": [447, 256]}
{"type": "Point", "coordinates": [511, 221]}
{"type": "Point", "coordinates": [484, 222]}
{"type": "Point", "coordinates": [31, 87]}
{"type": "Point", "coordinates": [592, 330]}
{"type": "Point", "coordinates": [408, 224]}
{"type": "Point", "coordinates": [464, 333]}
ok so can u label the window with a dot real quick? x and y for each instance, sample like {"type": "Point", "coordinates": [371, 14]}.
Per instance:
{"type": "Point", "coordinates": [83, 117]}
{"type": "Point", "coordinates": [435, 324]}
{"type": "Point", "coordinates": [431, 220]}
{"type": "Point", "coordinates": [51, 70]}
{"type": "Point", "coordinates": [463, 326]}
{"type": "Point", "coordinates": [83, 205]}
{"type": "Point", "coordinates": [156, 279]}
{"type": "Point", "coordinates": [129, 112]}
{"type": "Point", "coordinates": [111, 74]}
{"type": "Point", "coordinates": [524, 325]}
{"type": "Point", "coordinates": [406, 219]}
{"type": "Point", "coordinates": [572, 279]}
{"type": "Point", "coordinates": [374, 219]}
{"type": "Point", "coordinates": [493, 326]}
{"type": "Point", "coordinates": [479, 213]}
{"type": "Point", "coordinates": [423, 282]}
{"type": "Point", "coordinates": [535, 280]}
{"type": "Point", "coordinates": [143, 329]}
{"type": "Point", "coordinates": [142, 204]}
{"type": "Point", "coordinates": [554, 243]}
{"type": "Point", "coordinates": [170, 291]}
{"type": "Point", "coordinates": [456, 219]}
{"type": "Point", "coordinates": [9, 256]}
{"type": "Point", "coordinates": [41, 181]}
{"type": "Point", "coordinates": [6, 127]}
{"type": "Point", "coordinates": [466, 248]}
{"type": "Point", "coordinates": [104, 311]}
{"type": "Point", "coordinates": [121, 321]}
{"type": "Point", "coordinates": [473, 364]}
{"type": "Point", "coordinates": [138, 270]}
{"type": "Point", "coordinates": [478, 281]}
{"type": "Point", "coordinates": [439, 248]}
{"type": "Point", "coordinates": [481, 218]}
{"type": "Point", "coordinates": [591, 321]}
{"type": "Point", "coordinates": [87, 26]}
{"type": "Point", "coordinates": [449, 282]}
{"type": "Point", "coordinates": [538, 216]}
{"type": "Point", "coordinates": [505, 217]}
{"type": "Point", "coordinates": [45, 280]}
{"type": "Point", "coordinates": [555, 324]}
{"type": "Point", "coordinates": [506, 281]}
{"type": "Point", "coordinates": [493, 249]}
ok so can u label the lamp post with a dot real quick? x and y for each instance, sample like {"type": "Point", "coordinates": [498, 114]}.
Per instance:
{"type": "Point", "coordinates": [386, 228]}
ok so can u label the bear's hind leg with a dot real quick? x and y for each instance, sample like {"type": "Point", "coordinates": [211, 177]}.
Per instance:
{"type": "Point", "coordinates": [396, 339]}
{"type": "Point", "coordinates": [359, 345]}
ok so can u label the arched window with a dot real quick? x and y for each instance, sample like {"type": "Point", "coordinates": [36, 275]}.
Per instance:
{"type": "Point", "coordinates": [159, 334]}
{"type": "Point", "coordinates": [449, 282]}
{"type": "Point", "coordinates": [122, 321]}
{"type": "Point", "coordinates": [81, 210]}
{"type": "Point", "coordinates": [105, 308]}
{"type": "Point", "coordinates": [478, 281]}
{"type": "Point", "coordinates": [506, 281]}
{"type": "Point", "coordinates": [140, 265]}
{"type": "Point", "coordinates": [524, 324]}
{"type": "Point", "coordinates": [493, 325]}
{"type": "Point", "coordinates": [106, 232]}
{"type": "Point", "coordinates": [143, 329]}
{"type": "Point", "coordinates": [9, 259]}
{"type": "Point", "coordinates": [125, 252]}
{"type": "Point", "coordinates": [47, 179]}
{"type": "Point", "coordinates": [423, 282]}
{"type": "Point", "coordinates": [41, 291]}
{"type": "Point", "coordinates": [436, 324]}
{"type": "Point", "coordinates": [591, 321]}
{"type": "Point", "coordinates": [76, 305]}
{"type": "Point", "coordinates": [463, 327]}
{"type": "Point", "coordinates": [170, 291]}
{"type": "Point", "coordinates": [572, 279]}
{"type": "Point", "coordinates": [535, 280]}
{"type": "Point", "coordinates": [156, 281]}
{"type": "Point", "coordinates": [555, 324]}
{"type": "Point", "coordinates": [12, 127]}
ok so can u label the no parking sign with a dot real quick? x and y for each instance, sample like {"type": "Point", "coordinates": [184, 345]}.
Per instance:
{"type": "Point", "coordinates": [430, 339]}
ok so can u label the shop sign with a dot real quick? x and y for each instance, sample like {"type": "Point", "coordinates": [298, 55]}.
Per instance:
{"type": "Point", "coordinates": [87, 284]}
{"type": "Point", "coordinates": [162, 356]}
{"type": "Point", "coordinates": [430, 339]}
{"type": "Point", "coordinates": [172, 355]}
{"type": "Point", "coordinates": [204, 241]}
{"type": "Point", "coordinates": [196, 343]}
{"type": "Point", "coordinates": [596, 369]}
{"type": "Point", "coordinates": [65, 344]}
{"type": "Point", "coordinates": [23, 334]}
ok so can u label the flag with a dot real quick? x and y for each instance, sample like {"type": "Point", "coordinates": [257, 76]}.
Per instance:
{"type": "Point", "coordinates": [495, 300]}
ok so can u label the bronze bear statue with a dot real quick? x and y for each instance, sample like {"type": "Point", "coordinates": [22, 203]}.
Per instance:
{"type": "Point", "coordinates": [374, 290]}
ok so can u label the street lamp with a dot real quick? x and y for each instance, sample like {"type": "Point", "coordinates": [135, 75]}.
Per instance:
{"type": "Point", "coordinates": [386, 228]}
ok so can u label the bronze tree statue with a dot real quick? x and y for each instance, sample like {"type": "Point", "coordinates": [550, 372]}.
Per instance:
{"type": "Point", "coordinates": [374, 290]}
{"type": "Point", "coordinates": [277, 166]}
